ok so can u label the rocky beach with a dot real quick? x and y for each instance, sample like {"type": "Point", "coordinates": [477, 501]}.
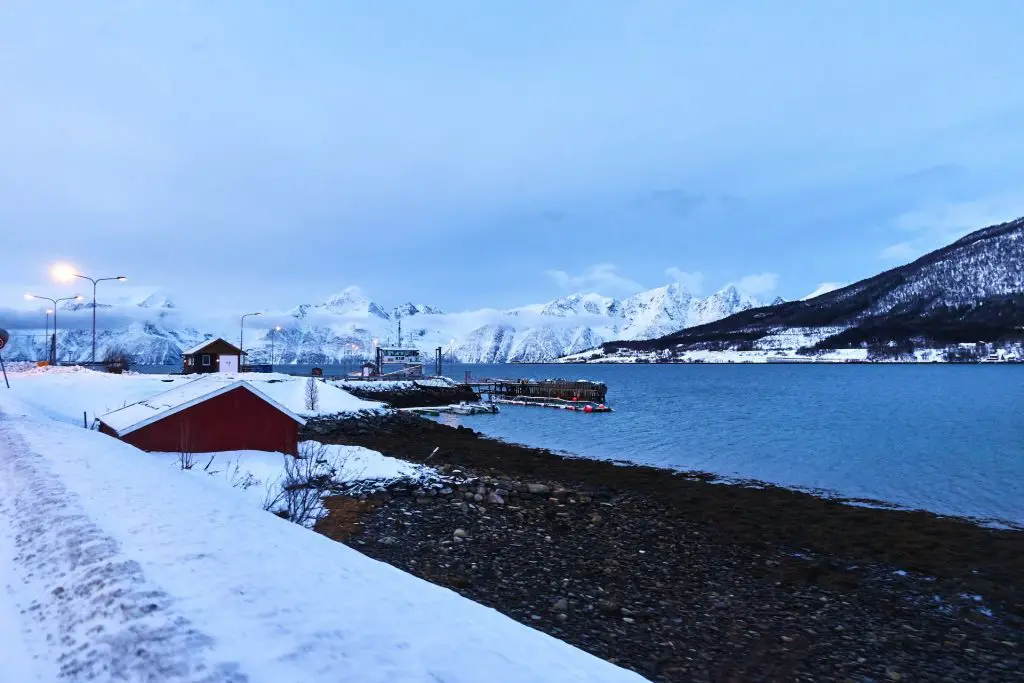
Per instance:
{"type": "Point", "coordinates": [683, 578]}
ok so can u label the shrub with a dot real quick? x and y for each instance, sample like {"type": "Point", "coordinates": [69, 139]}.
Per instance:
{"type": "Point", "coordinates": [117, 360]}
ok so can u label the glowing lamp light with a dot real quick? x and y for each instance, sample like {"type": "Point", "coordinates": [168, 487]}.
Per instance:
{"type": "Point", "coordinates": [62, 272]}
{"type": "Point", "coordinates": [29, 297]}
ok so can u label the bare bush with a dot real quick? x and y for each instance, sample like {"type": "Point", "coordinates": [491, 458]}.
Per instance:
{"type": "Point", "coordinates": [117, 359]}
{"type": "Point", "coordinates": [312, 394]}
{"type": "Point", "coordinates": [298, 495]}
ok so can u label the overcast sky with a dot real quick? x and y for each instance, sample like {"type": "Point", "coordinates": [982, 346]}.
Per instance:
{"type": "Point", "coordinates": [467, 154]}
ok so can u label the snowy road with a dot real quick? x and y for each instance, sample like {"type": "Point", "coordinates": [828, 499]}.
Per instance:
{"type": "Point", "coordinates": [115, 567]}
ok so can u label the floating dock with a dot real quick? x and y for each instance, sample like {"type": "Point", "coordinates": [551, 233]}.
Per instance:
{"type": "Point", "coordinates": [579, 391]}
{"type": "Point", "coordinates": [558, 403]}
{"type": "Point", "coordinates": [456, 409]}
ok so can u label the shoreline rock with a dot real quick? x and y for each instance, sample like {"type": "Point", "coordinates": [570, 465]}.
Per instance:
{"type": "Point", "coordinates": [681, 579]}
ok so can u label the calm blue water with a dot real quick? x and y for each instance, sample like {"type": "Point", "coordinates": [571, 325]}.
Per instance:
{"type": "Point", "coordinates": [946, 438]}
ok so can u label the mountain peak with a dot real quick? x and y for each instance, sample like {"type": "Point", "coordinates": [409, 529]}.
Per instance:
{"type": "Point", "coordinates": [157, 300]}
{"type": "Point", "coordinates": [351, 302]}
{"type": "Point", "coordinates": [410, 309]}
{"type": "Point", "coordinates": [588, 303]}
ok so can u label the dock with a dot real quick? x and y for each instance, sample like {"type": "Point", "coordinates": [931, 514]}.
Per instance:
{"type": "Point", "coordinates": [456, 409]}
{"type": "Point", "coordinates": [562, 389]}
{"type": "Point", "coordinates": [557, 403]}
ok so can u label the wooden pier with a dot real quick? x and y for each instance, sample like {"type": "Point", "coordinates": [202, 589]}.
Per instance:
{"type": "Point", "coordinates": [565, 389]}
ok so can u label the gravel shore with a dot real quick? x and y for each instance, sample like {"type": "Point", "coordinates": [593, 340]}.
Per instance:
{"type": "Point", "coordinates": [681, 579]}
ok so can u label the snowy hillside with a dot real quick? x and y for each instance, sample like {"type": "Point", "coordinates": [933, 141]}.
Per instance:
{"type": "Point", "coordinates": [346, 325]}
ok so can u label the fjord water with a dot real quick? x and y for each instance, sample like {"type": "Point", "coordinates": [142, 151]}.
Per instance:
{"type": "Point", "coordinates": [946, 438]}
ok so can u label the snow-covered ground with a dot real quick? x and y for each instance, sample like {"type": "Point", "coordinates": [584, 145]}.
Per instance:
{"type": "Point", "coordinates": [257, 475]}
{"type": "Point", "coordinates": [65, 393]}
{"type": "Point", "coordinates": [116, 566]}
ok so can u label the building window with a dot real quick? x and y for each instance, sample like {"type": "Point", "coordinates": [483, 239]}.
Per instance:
{"type": "Point", "coordinates": [206, 360]}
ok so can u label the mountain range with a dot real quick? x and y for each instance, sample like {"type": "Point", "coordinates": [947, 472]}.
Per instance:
{"type": "Point", "coordinates": [346, 325]}
{"type": "Point", "coordinates": [969, 291]}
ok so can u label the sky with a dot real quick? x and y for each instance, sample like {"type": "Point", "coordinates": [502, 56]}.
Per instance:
{"type": "Point", "coordinates": [250, 156]}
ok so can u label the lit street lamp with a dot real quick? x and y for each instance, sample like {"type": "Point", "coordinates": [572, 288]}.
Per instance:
{"type": "Point", "coordinates": [241, 333]}
{"type": "Point", "coordinates": [53, 340]}
{"type": "Point", "coordinates": [64, 273]}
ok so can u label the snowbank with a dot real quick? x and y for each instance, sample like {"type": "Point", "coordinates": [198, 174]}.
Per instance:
{"type": "Point", "coordinates": [65, 393]}
{"type": "Point", "coordinates": [116, 567]}
{"type": "Point", "coordinates": [257, 475]}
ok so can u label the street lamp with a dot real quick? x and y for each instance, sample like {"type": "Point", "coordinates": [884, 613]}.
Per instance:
{"type": "Point", "coordinates": [53, 340]}
{"type": "Point", "coordinates": [272, 338]}
{"type": "Point", "coordinates": [64, 273]}
{"type": "Point", "coordinates": [241, 332]}
{"type": "Point", "coordinates": [46, 330]}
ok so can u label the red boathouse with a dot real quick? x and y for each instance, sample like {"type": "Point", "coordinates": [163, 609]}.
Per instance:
{"type": "Point", "coordinates": [204, 416]}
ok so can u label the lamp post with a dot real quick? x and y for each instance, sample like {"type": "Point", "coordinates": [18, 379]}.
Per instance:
{"type": "Point", "coordinates": [64, 273]}
{"type": "Point", "coordinates": [241, 331]}
{"type": "Point", "coordinates": [53, 340]}
{"type": "Point", "coordinates": [273, 337]}
{"type": "Point", "coordinates": [46, 329]}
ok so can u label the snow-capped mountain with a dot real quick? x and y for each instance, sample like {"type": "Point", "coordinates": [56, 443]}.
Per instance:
{"type": "Point", "coordinates": [147, 326]}
{"type": "Point", "coordinates": [969, 291]}
{"type": "Point", "coordinates": [347, 325]}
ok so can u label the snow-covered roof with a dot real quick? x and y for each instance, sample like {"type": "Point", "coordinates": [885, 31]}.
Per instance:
{"type": "Point", "coordinates": [146, 412]}
{"type": "Point", "coordinates": [203, 344]}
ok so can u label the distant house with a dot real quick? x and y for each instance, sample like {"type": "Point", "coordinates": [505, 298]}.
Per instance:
{"type": "Point", "coordinates": [212, 355]}
{"type": "Point", "coordinates": [206, 415]}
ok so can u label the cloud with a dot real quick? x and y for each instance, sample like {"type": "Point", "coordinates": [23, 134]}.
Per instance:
{"type": "Point", "coordinates": [601, 276]}
{"type": "Point", "coordinates": [940, 224]}
{"type": "Point", "coordinates": [758, 284]}
{"type": "Point", "coordinates": [691, 282]}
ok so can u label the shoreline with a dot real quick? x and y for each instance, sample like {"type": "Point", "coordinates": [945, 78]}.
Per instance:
{"type": "Point", "coordinates": [621, 559]}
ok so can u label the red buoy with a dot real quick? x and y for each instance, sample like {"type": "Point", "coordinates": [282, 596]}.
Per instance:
{"type": "Point", "coordinates": [588, 409]}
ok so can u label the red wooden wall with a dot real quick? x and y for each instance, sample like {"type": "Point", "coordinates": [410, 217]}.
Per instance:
{"type": "Point", "coordinates": [236, 420]}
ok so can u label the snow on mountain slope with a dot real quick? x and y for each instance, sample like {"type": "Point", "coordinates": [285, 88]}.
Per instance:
{"type": "Point", "coordinates": [347, 324]}
{"type": "Point", "coordinates": [351, 302]}
{"type": "Point", "coordinates": [969, 291]}
{"type": "Point", "coordinates": [825, 288]}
